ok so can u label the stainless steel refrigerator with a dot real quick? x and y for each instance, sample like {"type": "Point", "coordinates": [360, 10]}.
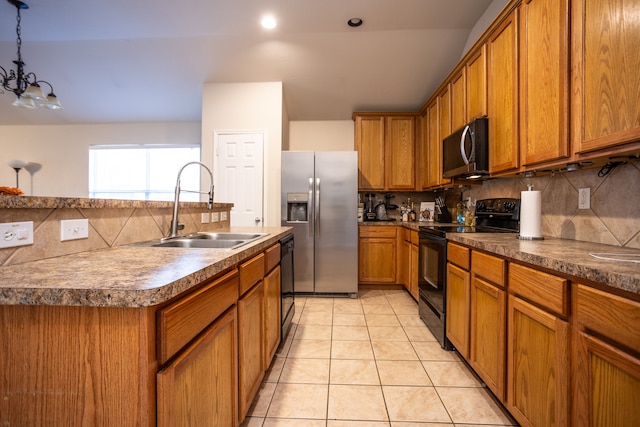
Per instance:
{"type": "Point", "coordinates": [319, 200]}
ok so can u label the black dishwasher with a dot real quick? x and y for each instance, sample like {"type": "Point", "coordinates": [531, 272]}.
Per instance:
{"type": "Point", "coordinates": [287, 305]}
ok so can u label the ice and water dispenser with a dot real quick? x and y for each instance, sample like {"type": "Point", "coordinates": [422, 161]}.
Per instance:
{"type": "Point", "coordinates": [297, 207]}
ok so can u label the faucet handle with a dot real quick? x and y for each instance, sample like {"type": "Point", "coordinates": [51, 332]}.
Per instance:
{"type": "Point", "coordinates": [180, 226]}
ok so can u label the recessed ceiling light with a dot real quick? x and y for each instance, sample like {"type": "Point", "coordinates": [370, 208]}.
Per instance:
{"type": "Point", "coordinates": [268, 22]}
{"type": "Point", "coordinates": [354, 22]}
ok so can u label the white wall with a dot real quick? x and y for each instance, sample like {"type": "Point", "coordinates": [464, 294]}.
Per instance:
{"type": "Point", "coordinates": [248, 107]}
{"type": "Point", "coordinates": [333, 135]}
{"type": "Point", "coordinates": [63, 151]}
{"type": "Point", "coordinates": [483, 23]}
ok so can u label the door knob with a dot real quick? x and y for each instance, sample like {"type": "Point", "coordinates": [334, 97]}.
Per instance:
{"type": "Point", "coordinates": [257, 220]}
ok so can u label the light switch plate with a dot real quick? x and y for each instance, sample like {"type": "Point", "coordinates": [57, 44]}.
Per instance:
{"type": "Point", "coordinates": [223, 216]}
{"type": "Point", "coordinates": [73, 229]}
{"type": "Point", "coordinates": [16, 234]}
{"type": "Point", "coordinates": [204, 218]}
{"type": "Point", "coordinates": [215, 217]}
{"type": "Point", "coordinates": [584, 198]}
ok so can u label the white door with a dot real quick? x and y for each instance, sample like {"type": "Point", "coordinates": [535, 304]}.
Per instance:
{"type": "Point", "coordinates": [238, 175]}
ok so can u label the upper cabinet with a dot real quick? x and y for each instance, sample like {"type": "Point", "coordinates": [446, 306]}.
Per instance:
{"type": "Point", "coordinates": [458, 100]}
{"type": "Point", "coordinates": [386, 151]}
{"type": "Point", "coordinates": [502, 53]}
{"type": "Point", "coordinates": [544, 88]}
{"type": "Point", "coordinates": [605, 60]}
{"type": "Point", "coordinates": [476, 81]}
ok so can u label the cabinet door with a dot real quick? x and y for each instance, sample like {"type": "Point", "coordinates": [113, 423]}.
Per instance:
{"type": "Point", "coordinates": [377, 259]}
{"type": "Point", "coordinates": [404, 264]}
{"type": "Point", "coordinates": [250, 346]}
{"type": "Point", "coordinates": [537, 365]}
{"type": "Point", "coordinates": [413, 272]}
{"type": "Point", "coordinates": [400, 148]}
{"type": "Point", "coordinates": [487, 354]}
{"type": "Point", "coordinates": [477, 84]}
{"type": "Point", "coordinates": [199, 388]}
{"type": "Point", "coordinates": [271, 314]}
{"type": "Point", "coordinates": [434, 146]}
{"type": "Point", "coordinates": [503, 96]}
{"type": "Point", "coordinates": [369, 137]}
{"type": "Point", "coordinates": [544, 85]}
{"type": "Point", "coordinates": [605, 63]}
{"type": "Point", "coordinates": [458, 100]}
{"type": "Point", "coordinates": [444, 124]}
{"type": "Point", "coordinates": [458, 297]}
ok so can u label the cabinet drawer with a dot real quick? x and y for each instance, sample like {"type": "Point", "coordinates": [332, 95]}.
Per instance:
{"type": "Point", "coordinates": [180, 322]}
{"type": "Point", "coordinates": [489, 267]}
{"type": "Point", "coordinates": [613, 316]}
{"type": "Point", "coordinates": [404, 234]}
{"type": "Point", "coordinates": [551, 292]}
{"type": "Point", "coordinates": [271, 257]}
{"type": "Point", "coordinates": [251, 272]}
{"type": "Point", "coordinates": [414, 237]}
{"type": "Point", "coordinates": [378, 231]}
{"type": "Point", "coordinates": [458, 255]}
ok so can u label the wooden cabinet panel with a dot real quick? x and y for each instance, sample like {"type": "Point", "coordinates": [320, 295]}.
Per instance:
{"type": "Point", "coordinates": [549, 291]}
{"type": "Point", "coordinates": [537, 365]}
{"type": "Point", "coordinates": [413, 272]}
{"type": "Point", "coordinates": [250, 346]}
{"type": "Point", "coordinates": [502, 67]}
{"type": "Point", "coordinates": [487, 336]}
{"type": "Point", "coordinates": [458, 298]}
{"type": "Point", "coordinates": [381, 232]}
{"type": "Point", "coordinates": [400, 148]}
{"type": "Point", "coordinates": [251, 272]}
{"type": "Point", "coordinates": [272, 303]}
{"type": "Point", "coordinates": [458, 255]}
{"type": "Point", "coordinates": [433, 147]}
{"type": "Point", "coordinates": [458, 100]}
{"type": "Point", "coordinates": [544, 85]}
{"type": "Point", "coordinates": [200, 386]}
{"type": "Point", "coordinates": [490, 267]}
{"type": "Point", "coordinates": [377, 260]}
{"type": "Point", "coordinates": [477, 84]}
{"type": "Point", "coordinates": [180, 322]}
{"type": "Point", "coordinates": [369, 141]}
{"type": "Point", "coordinates": [404, 263]}
{"type": "Point", "coordinates": [271, 257]}
{"type": "Point", "coordinates": [606, 82]}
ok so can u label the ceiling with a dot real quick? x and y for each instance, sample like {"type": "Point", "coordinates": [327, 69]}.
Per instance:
{"type": "Point", "coordinates": [147, 60]}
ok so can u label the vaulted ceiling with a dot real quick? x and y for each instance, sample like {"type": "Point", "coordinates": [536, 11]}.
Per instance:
{"type": "Point", "coordinates": [146, 60]}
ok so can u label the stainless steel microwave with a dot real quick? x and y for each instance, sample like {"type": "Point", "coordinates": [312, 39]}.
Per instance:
{"type": "Point", "coordinates": [465, 153]}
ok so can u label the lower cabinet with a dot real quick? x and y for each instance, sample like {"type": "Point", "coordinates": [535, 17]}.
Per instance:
{"type": "Point", "coordinates": [250, 346]}
{"type": "Point", "coordinates": [458, 297]}
{"type": "Point", "coordinates": [377, 254]}
{"type": "Point", "coordinates": [272, 309]}
{"type": "Point", "coordinates": [408, 260]}
{"type": "Point", "coordinates": [606, 369]}
{"type": "Point", "coordinates": [199, 386]}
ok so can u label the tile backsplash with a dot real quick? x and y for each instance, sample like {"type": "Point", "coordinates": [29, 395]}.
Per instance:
{"type": "Point", "coordinates": [108, 226]}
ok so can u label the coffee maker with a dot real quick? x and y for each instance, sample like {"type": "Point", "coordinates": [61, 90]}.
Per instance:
{"type": "Point", "coordinates": [370, 207]}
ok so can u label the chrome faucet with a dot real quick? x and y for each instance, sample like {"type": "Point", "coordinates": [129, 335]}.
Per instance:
{"type": "Point", "coordinates": [174, 221]}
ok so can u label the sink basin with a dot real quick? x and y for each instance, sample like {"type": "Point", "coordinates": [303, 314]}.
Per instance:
{"type": "Point", "coordinates": [207, 240]}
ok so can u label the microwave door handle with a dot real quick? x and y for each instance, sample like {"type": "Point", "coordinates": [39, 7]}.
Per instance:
{"type": "Point", "coordinates": [462, 139]}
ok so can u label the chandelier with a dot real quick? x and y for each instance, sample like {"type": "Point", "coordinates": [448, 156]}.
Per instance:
{"type": "Point", "coordinates": [26, 86]}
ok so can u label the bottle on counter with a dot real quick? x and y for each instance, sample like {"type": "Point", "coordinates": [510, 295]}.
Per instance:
{"type": "Point", "coordinates": [412, 213]}
{"type": "Point", "coordinates": [460, 208]}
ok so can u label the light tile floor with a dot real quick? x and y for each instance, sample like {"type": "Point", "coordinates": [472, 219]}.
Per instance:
{"type": "Point", "coordinates": [368, 362]}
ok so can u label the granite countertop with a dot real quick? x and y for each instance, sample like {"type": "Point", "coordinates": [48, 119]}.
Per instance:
{"type": "Point", "coordinates": [568, 257]}
{"type": "Point", "coordinates": [123, 276]}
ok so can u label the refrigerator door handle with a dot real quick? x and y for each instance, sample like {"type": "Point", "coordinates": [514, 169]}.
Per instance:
{"type": "Point", "coordinates": [317, 207]}
{"type": "Point", "coordinates": [310, 207]}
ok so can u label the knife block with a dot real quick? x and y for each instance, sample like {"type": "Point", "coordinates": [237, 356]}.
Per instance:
{"type": "Point", "coordinates": [444, 215]}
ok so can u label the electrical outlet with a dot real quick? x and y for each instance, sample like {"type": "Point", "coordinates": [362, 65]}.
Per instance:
{"type": "Point", "coordinates": [214, 217]}
{"type": "Point", "coordinates": [16, 234]}
{"type": "Point", "coordinates": [73, 229]}
{"type": "Point", "coordinates": [584, 198]}
{"type": "Point", "coordinates": [204, 218]}
{"type": "Point", "coordinates": [223, 216]}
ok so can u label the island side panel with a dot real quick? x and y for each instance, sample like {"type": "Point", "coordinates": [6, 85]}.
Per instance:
{"type": "Point", "coordinates": [77, 366]}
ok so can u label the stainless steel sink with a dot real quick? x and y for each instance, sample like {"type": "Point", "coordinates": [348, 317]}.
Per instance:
{"type": "Point", "coordinates": [210, 240]}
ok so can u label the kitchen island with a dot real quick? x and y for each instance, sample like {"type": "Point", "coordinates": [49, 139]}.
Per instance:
{"type": "Point", "coordinates": [134, 335]}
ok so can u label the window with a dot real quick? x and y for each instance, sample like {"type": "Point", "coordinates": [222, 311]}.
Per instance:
{"type": "Point", "coordinates": [142, 172]}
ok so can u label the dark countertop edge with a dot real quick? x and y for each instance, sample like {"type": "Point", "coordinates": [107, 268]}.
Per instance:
{"type": "Point", "coordinates": [109, 297]}
{"type": "Point", "coordinates": [31, 202]}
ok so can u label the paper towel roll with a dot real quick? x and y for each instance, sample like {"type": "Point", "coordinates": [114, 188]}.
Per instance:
{"type": "Point", "coordinates": [530, 215]}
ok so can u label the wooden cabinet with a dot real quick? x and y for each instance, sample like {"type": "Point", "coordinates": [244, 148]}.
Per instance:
{"type": "Point", "coordinates": [538, 347]}
{"type": "Point", "coordinates": [502, 96]}
{"type": "Point", "coordinates": [544, 85]}
{"type": "Point", "coordinates": [408, 261]}
{"type": "Point", "coordinates": [386, 151]}
{"type": "Point", "coordinates": [272, 303]}
{"type": "Point", "coordinates": [605, 59]}
{"type": "Point", "coordinates": [488, 320]}
{"type": "Point", "coordinates": [377, 254]}
{"type": "Point", "coordinates": [476, 81]}
{"type": "Point", "coordinates": [199, 387]}
{"type": "Point", "coordinates": [458, 298]}
{"type": "Point", "coordinates": [606, 368]}
{"type": "Point", "coordinates": [413, 271]}
{"type": "Point", "coordinates": [250, 346]}
{"type": "Point", "coordinates": [432, 163]}
{"type": "Point", "coordinates": [458, 100]}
